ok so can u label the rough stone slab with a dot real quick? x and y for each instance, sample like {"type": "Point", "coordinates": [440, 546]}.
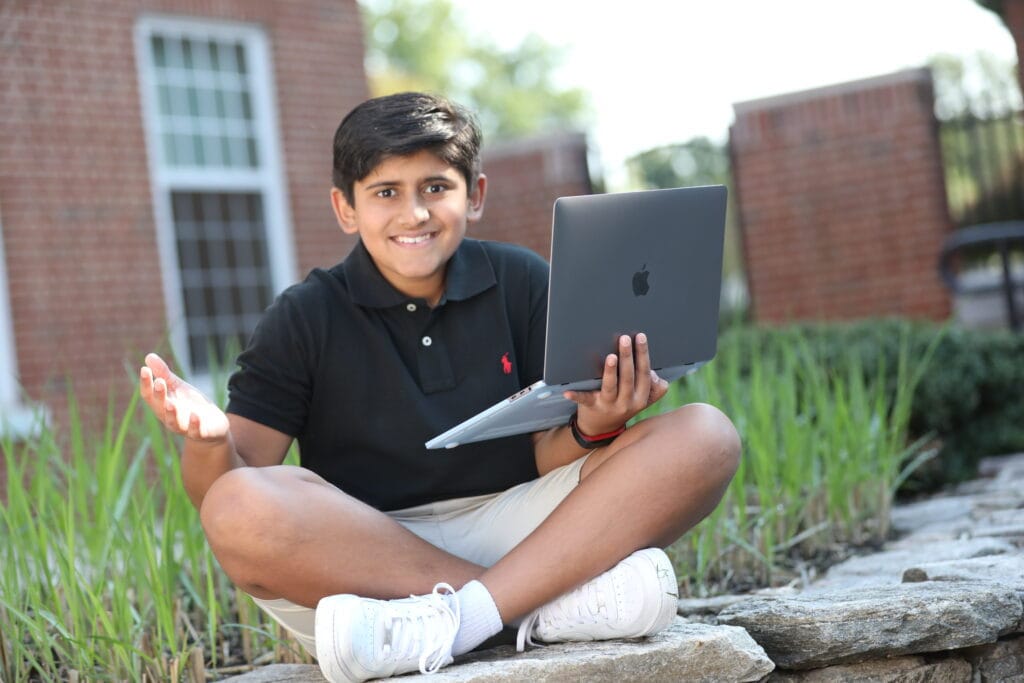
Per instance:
{"type": "Point", "coordinates": [281, 673]}
{"type": "Point", "coordinates": [897, 670]}
{"type": "Point", "coordinates": [689, 607]}
{"type": "Point", "coordinates": [913, 517]}
{"type": "Point", "coordinates": [1008, 498]}
{"type": "Point", "coordinates": [992, 465]}
{"type": "Point", "coordinates": [888, 567]}
{"type": "Point", "coordinates": [1007, 570]}
{"type": "Point", "coordinates": [1002, 661]}
{"type": "Point", "coordinates": [692, 606]}
{"type": "Point", "coordinates": [683, 652]}
{"type": "Point", "coordinates": [1004, 524]}
{"type": "Point", "coordinates": [850, 626]}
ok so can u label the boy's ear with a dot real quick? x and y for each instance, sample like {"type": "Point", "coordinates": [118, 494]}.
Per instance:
{"type": "Point", "coordinates": [475, 200]}
{"type": "Point", "coordinates": [344, 212]}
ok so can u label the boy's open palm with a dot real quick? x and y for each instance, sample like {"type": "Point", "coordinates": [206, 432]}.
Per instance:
{"type": "Point", "coordinates": [180, 406]}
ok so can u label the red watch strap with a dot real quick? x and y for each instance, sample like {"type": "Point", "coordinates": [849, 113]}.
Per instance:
{"type": "Point", "coordinates": [592, 441]}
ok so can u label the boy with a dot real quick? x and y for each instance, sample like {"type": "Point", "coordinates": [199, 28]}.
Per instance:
{"type": "Point", "coordinates": [418, 328]}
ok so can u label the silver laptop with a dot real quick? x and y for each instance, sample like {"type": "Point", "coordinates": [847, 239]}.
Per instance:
{"type": "Point", "coordinates": [621, 263]}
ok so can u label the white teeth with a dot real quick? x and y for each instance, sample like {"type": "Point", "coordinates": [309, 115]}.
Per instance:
{"type": "Point", "coordinates": [419, 239]}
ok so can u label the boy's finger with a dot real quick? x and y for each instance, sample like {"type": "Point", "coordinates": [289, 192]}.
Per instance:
{"type": "Point", "coordinates": [582, 398]}
{"type": "Point", "coordinates": [626, 370]}
{"type": "Point", "coordinates": [195, 429]}
{"type": "Point", "coordinates": [659, 388]}
{"type": "Point", "coordinates": [160, 389]}
{"type": "Point", "coordinates": [643, 368]}
{"type": "Point", "coordinates": [610, 378]}
{"type": "Point", "coordinates": [643, 355]}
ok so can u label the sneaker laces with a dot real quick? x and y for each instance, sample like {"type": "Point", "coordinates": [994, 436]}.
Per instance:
{"type": "Point", "coordinates": [429, 630]}
{"type": "Point", "coordinates": [585, 605]}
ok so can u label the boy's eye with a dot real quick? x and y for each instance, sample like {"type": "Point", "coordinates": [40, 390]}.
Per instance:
{"type": "Point", "coordinates": [435, 188]}
{"type": "Point", "coordinates": [386, 192]}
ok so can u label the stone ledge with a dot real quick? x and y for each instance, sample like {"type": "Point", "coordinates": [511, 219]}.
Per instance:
{"type": "Point", "coordinates": [684, 651]}
{"type": "Point", "coordinates": [850, 626]}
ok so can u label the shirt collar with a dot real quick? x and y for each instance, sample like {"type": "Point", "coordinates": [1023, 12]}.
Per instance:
{"type": "Point", "coordinates": [469, 273]}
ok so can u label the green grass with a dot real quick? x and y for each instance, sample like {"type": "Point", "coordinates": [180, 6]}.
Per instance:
{"type": "Point", "coordinates": [104, 570]}
{"type": "Point", "coordinates": [105, 574]}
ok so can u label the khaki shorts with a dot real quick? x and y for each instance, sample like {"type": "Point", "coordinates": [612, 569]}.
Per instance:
{"type": "Point", "coordinates": [480, 529]}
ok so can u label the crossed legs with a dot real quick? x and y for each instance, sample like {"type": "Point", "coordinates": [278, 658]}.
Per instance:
{"type": "Point", "coordinates": [285, 532]}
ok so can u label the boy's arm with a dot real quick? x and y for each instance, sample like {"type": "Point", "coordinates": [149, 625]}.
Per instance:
{"type": "Point", "coordinates": [214, 442]}
{"type": "Point", "coordinates": [554, 448]}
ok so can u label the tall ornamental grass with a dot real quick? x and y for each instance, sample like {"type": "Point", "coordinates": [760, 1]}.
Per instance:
{"type": "Point", "coordinates": [825, 447]}
{"type": "Point", "coordinates": [105, 574]}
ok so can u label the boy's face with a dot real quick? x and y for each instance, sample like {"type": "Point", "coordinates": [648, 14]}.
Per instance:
{"type": "Point", "coordinates": [411, 213]}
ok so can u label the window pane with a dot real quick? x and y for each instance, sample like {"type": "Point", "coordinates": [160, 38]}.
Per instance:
{"type": "Point", "coordinates": [254, 159]}
{"type": "Point", "coordinates": [165, 100]}
{"type": "Point", "coordinates": [213, 55]}
{"type": "Point", "coordinates": [179, 101]}
{"type": "Point", "coordinates": [240, 58]}
{"type": "Point", "coordinates": [172, 48]}
{"type": "Point", "coordinates": [159, 57]}
{"type": "Point", "coordinates": [246, 106]}
{"type": "Point", "coordinates": [170, 150]}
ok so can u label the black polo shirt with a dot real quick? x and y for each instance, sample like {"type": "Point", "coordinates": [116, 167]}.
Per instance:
{"type": "Point", "coordinates": [362, 375]}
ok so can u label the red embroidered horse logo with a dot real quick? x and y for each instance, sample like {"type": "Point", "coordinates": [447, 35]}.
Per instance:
{"type": "Point", "coordinates": [506, 365]}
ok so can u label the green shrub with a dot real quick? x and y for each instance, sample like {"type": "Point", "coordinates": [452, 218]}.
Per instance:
{"type": "Point", "coordinates": [970, 399]}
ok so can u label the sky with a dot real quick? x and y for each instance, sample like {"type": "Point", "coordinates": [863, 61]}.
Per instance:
{"type": "Point", "coordinates": [663, 71]}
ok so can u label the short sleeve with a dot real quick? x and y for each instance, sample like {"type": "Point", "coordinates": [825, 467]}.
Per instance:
{"type": "Point", "coordinates": [273, 383]}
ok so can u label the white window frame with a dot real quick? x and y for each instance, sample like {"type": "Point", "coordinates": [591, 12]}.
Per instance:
{"type": "Point", "coordinates": [16, 419]}
{"type": "Point", "coordinates": [268, 180]}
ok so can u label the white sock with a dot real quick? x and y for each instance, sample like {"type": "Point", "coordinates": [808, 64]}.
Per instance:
{"type": "Point", "coordinates": [479, 617]}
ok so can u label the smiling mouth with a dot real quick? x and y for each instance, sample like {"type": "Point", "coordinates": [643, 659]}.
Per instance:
{"type": "Point", "coordinates": [414, 239]}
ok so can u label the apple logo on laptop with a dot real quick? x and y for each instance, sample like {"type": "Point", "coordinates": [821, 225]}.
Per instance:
{"type": "Point", "coordinates": [640, 284]}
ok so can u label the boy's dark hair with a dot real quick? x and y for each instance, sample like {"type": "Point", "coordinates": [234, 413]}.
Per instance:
{"type": "Point", "coordinates": [405, 123]}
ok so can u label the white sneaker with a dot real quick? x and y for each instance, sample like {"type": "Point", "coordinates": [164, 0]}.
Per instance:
{"type": "Point", "coordinates": [637, 597]}
{"type": "Point", "coordinates": [361, 638]}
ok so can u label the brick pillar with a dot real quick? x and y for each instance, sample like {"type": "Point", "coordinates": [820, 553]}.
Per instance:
{"type": "Point", "coordinates": [842, 201]}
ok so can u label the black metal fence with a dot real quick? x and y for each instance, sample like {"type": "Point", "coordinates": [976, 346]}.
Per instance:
{"type": "Point", "coordinates": [983, 157]}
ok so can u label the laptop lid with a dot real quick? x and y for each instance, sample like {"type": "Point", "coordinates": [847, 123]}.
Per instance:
{"type": "Point", "coordinates": [630, 262]}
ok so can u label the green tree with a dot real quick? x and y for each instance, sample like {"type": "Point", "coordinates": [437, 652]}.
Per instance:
{"type": "Point", "coordinates": [425, 45]}
{"type": "Point", "coordinates": [981, 83]}
{"type": "Point", "coordinates": [698, 161]}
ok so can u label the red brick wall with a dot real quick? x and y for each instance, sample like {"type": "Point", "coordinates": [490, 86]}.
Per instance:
{"type": "Point", "coordinates": [524, 179]}
{"type": "Point", "coordinates": [841, 200]}
{"type": "Point", "coordinates": [75, 200]}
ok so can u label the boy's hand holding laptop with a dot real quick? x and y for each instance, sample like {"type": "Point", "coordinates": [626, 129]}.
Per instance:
{"type": "Point", "coordinates": [628, 385]}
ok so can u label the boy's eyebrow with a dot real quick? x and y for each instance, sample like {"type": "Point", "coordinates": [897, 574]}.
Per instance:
{"type": "Point", "coordinates": [390, 183]}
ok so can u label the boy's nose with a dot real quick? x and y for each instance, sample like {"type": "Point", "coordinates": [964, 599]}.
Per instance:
{"type": "Point", "coordinates": [414, 215]}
